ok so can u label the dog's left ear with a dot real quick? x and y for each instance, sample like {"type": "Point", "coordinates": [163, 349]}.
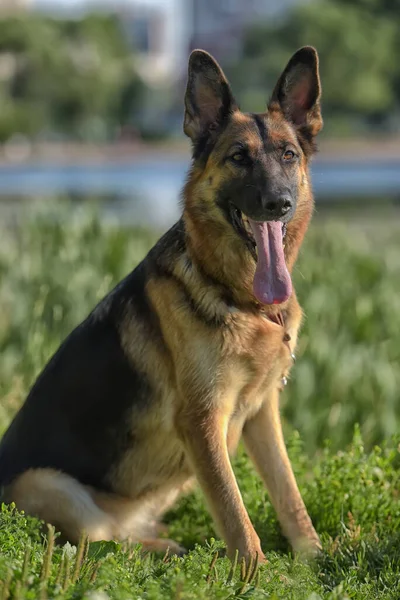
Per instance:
{"type": "Point", "coordinates": [298, 91]}
{"type": "Point", "coordinates": [208, 99]}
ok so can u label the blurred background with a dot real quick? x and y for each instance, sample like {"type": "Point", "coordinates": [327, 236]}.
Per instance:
{"type": "Point", "coordinates": [92, 159]}
{"type": "Point", "coordinates": [91, 92]}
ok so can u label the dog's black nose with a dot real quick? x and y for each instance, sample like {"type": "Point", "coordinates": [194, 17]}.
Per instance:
{"type": "Point", "coordinates": [278, 207]}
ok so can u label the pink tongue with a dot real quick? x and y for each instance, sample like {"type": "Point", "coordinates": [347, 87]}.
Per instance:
{"type": "Point", "coordinates": [272, 283]}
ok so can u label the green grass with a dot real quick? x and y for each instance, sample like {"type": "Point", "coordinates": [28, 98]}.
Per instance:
{"type": "Point", "coordinates": [52, 272]}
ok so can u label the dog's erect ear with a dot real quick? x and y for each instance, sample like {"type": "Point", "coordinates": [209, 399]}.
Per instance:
{"type": "Point", "coordinates": [208, 99]}
{"type": "Point", "coordinates": [298, 91]}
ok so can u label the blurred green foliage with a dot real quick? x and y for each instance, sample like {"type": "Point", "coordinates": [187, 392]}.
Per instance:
{"type": "Point", "coordinates": [359, 47]}
{"type": "Point", "coordinates": [74, 78]}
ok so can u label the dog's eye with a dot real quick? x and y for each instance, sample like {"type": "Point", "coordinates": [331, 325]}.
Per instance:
{"type": "Point", "coordinates": [238, 157]}
{"type": "Point", "coordinates": [288, 155]}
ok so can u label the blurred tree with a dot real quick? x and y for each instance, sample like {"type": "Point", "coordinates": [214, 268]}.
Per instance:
{"type": "Point", "coordinates": [359, 48]}
{"type": "Point", "coordinates": [74, 77]}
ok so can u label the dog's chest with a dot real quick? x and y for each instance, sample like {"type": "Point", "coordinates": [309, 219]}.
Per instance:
{"type": "Point", "coordinates": [258, 356]}
{"type": "Point", "coordinates": [259, 362]}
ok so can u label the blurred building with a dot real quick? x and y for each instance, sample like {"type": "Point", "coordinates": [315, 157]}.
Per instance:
{"type": "Point", "coordinates": [164, 31]}
{"type": "Point", "coordinates": [7, 6]}
{"type": "Point", "coordinates": [218, 25]}
{"type": "Point", "coordinates": [159, 31]}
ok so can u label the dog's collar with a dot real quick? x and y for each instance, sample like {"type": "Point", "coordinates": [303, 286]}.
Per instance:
{"type": "Point", "coordinates": [279, 319]}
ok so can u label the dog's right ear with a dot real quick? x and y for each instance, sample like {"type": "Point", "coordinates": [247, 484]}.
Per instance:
{"type": "Point", "coordinates": [208, 99]}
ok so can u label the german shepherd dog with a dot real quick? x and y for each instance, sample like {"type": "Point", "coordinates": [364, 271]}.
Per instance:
{"type": "Point", "coordinates": [155, 388]}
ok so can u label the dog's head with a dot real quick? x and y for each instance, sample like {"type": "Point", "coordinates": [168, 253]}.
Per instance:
{"type": "Point", "coordinates": [250, 170]}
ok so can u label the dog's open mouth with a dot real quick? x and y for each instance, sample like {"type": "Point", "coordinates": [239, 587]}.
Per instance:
{"type": "Point", "coordinates": [272, 283]}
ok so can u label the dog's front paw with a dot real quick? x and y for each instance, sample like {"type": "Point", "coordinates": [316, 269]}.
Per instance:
{"type": "Point", "coordinates": [250, 553]}
{"type": "Point", "coordinates": [163, 545]}
{"type": "Point", "coordinates": [308, 546]}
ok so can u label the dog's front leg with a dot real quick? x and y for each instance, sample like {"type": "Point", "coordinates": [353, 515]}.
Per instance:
{"type": "Point", "coordinates": [264, 440]}
{"type": "Point", "coordinates": [205, 442]}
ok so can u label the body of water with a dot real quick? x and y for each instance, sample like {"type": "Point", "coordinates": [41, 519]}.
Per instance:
{"type": "Point", "coordinates": [147, 191]}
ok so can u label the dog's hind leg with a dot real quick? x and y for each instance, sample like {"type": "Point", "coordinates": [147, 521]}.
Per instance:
{"type": "Point", "coordinates": [61, 500]}
{"type": "Point", "coordinates": [139, 520]}
{"type": "Point", "coordinates": [74, 509]}
{"type": "Point", "coordinates": [164, 500]}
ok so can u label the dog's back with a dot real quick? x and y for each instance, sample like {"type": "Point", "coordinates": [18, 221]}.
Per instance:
{"type": "Point", "coordinates": [74, 419]}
